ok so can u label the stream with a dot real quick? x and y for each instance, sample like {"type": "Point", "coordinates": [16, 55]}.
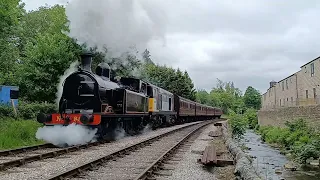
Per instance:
{"type": "Point", "coordinates": [268, 161]}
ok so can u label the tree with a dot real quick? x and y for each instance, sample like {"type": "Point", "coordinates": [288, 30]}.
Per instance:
{"type": "Point", "coordinates": [44, 64]}
{"type": "Point", "coordinates": [147, 57]}
{"type": "Point", "coordinates": [44, 20]}
{"type": "Point", "coordinates": [202, 96]}
{"type": "Point", "coordinates": [252, 98]}
{"type": "Point", "coordinates": [10, 13]}
{"type": "Point", "coordinates": [45, 52]}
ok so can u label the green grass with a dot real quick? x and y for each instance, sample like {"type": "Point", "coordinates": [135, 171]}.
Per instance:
{"type": "Point", "coordinates": [18, 133]}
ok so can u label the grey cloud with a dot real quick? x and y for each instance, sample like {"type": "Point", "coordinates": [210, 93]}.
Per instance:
{"type": "Point", "coordinates": [249, 42]}
{"type": "Point", "coordinates": [249, 16]}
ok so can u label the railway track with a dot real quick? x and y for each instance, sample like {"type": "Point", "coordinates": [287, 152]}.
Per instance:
{"type": "Point", "coordinates": [35, 163]}
{"type": "Point", "coordinates": [25, 149]}
{"type": "Point", "coordinates": [138, 161]}
{"type": "Point", "coordinates": [21, 156]}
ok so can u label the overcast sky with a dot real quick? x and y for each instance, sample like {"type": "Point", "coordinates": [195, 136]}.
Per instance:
{"type": "Point", "coordinates": [250, 42]}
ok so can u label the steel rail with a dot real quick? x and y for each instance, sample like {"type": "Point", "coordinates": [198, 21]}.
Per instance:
{"type": "Point", "coordinates": [51, 154]}
{"type": "Point", "coordinates": [25, 149]}
{"type": "Point", "coordinates": [124, 151]}
{"type": "Point", "coordinates": [147, 173]}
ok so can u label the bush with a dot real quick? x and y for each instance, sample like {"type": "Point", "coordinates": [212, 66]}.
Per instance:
{"type": "Point", "coordinates": [297, 137]}
{"type": "Point", "coordinates": [27, 110]}
{"type": "Point", "coordinates": [251, 118]}
{"type": "Point", "coordinates": [30, 110]}
{"type": "Point", "coordinates": [238, 124]}
{"type": "Point", "coordinates": [6, 111]}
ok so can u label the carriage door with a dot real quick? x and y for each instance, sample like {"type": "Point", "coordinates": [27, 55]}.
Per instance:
{"type": "Point", "coordinates": [159, 101]}
{"type": "Point", "coordinates": [170, 104]}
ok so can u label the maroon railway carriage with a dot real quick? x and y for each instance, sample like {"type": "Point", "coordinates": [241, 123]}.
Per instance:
{"type": "Point", "coordinates": [188, 110]}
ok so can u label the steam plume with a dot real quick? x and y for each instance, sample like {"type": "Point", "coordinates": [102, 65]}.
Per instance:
{"type": "Point", "coordinates": [70, 135]}
{"type": "Point", "coordinates": [116, 24]}
{"type": "Point", "coordinates": [72, 68]}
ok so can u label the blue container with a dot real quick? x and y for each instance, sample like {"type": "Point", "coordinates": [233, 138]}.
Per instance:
{"type": "Point", "coordinates": [9, 95]}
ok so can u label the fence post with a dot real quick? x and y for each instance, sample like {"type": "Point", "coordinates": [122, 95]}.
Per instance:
{"type": "Point", "coordinates": [14, 108]}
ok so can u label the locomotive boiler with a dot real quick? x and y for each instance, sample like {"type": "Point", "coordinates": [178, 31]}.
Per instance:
{"type": "Point", "coordinates": [97, 101]}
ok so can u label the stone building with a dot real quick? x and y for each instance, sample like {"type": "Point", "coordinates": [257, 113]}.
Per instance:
{"type": "Point", "coordinates": [296, 96]}
{"type": "Point", "coordinates": [299, 89]}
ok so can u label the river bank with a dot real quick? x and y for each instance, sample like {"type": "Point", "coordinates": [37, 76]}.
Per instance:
{"type": "Point", "coordinates": [269, 163]}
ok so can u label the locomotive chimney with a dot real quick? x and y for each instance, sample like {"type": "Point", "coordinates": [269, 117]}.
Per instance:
{"type": "Point", "coordinates": [86, 60]}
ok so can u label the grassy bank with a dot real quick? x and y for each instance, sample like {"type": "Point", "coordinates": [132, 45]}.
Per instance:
{"type": "Point", "coordinates": [15, 130]}
{"type": "Point", "coordinates": [17, 133]}
{"type": "Point", "coordinates": [297, 139]}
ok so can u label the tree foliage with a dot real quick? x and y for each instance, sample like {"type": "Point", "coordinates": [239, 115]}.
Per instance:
{"type": "Point", "coordinates": [35, 52]}
{"type": "Point", "coordinates": [229, 97]}
{"type": "Point", "coordinates": [175, 81]}
{"type": "Point", "coordinates": [10, 13]}
{"type": "Point", "coordinates": [252, 98]}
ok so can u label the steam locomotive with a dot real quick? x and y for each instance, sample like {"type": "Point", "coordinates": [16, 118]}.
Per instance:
{"type": "Point", "coordinates": [98, 101]}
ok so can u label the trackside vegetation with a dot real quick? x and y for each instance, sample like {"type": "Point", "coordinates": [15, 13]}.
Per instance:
{"type": "Point", "coordinates": [19, 129]}
{"type": "Point", "coordinates": [18, 132]}
{"type": "Point", "coordinates": [298, 140]}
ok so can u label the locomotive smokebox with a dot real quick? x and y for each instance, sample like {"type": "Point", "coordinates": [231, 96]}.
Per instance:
{"type": "Point", "coordinates": [86, 60]}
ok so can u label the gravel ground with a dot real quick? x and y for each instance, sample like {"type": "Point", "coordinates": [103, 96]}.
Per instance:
{"type": "Point", "coordinates": [128, 167]}
{"type": "Point", "coordinates": [188, 168]}
{"type": "Point", "coordinates": [48, 167]}
{"type": "Point", "coordinates": [145, 157]}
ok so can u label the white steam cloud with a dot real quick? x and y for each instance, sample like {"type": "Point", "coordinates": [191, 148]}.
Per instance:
{"type": "Point", "coordinates": [72, 68]}
{"type": "Point", "coordinates": [66, 135]}
{"type": "Point", "coordinates": [117, 25]}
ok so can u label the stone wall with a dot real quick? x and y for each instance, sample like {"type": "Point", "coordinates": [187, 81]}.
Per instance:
{"type": "Point", "coordinates": [279, 116]}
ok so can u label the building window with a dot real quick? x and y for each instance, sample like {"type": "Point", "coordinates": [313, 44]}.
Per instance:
{"type": "Point", "coordinates": [287, 84]}
{"type": "Point", "coordinates": [312, 69]}
{"type": "Point", "coordinates": [282, 85]}
{"type": "Point", "coordinates": [291, 99]}
{"type": "Point", "coordinates": [307, 94]}
{"type": "Point", "coordinates": [280, 102]}
{"type": "Point", "coordinates": [287, 99]}
{"type": "Point", "coordinates": [314, 93]}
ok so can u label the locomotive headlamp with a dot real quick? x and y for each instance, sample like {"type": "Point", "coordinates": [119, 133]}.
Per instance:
{"type": "Point", "coordinates": [86, 119]}
{"type": "Point", "coordinates": [42, 118]}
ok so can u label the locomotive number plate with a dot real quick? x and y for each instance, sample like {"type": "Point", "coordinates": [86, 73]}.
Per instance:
{"type": "Point", "coordinates": [74, 118]}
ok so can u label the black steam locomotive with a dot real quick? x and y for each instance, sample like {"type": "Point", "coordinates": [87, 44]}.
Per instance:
{"type": "Point", "coordinates": [97, 101]}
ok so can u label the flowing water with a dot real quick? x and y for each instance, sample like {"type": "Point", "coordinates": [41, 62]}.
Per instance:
{"type": "Point", "coordinates": [270, 163]}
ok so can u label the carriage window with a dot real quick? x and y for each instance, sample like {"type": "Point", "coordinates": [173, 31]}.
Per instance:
{"type": "Point", "coordinates": [143, 88]}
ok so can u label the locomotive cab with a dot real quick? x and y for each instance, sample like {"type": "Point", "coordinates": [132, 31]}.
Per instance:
{"type": "Point", "coordinates": [134, 84]}
{"type": "Point", "coordinates": [103, 70]}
